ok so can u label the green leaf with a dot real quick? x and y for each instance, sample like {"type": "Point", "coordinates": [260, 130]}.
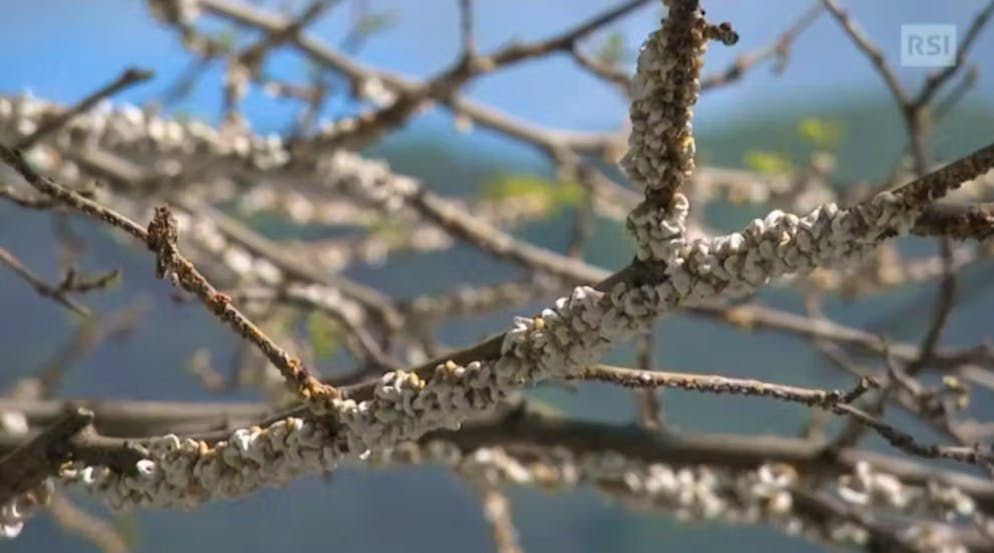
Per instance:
{"type": "Point", "coordinates": [820, 133]}
{"type": "Point", "coordinates": [613, 51]}
{"type": "Point", "coordinates": [769, 163]}
{"type": "Point", "coordinates": [324, 333]}
{"type": "Point", "coordinates": [375, 22]}
{"type": "Point", "coordinates": [129, 529]}
{"type": "Point", "coordinates": [550, 194]}
{"type": "Point", "coordinates": [388, 230]}
{"type": "Point", "coordinates": [569, 194]}
{"type": "Point", "coordinates": [226, 39]}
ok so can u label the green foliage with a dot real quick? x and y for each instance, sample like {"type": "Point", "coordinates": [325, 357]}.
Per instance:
{"type": "Point", "coordinates": [375, 22]}
{"type": "Point", "coordinates": [324, 333]}
{"type": "Point", "coordinates": [185, 116]}
{"type": "Point", "coordinates": [226, 39]}
{"type": "Point", "coordinates": [614, 51]}
{"type": "Point", "coordinates": [386, 229]}
{"type": "Point", "coordinates": [551, 195]}
{"type": "Point", "coordinates": [767, 162]}
{"type": "Point", "coordinates": [820, 133]}
{"type": "Point", "coordinates": [129, 529]}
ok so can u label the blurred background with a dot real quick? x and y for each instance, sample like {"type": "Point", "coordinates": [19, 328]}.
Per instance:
{"type": "Point", "coordinates": [60, 50]}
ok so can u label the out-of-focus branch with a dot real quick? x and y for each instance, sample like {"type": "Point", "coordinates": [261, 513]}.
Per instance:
{"type": "Point", "coordinates": [27, 466]}
{"type": "Point", "coordinates": [497, 512]}
{"type": "Point", "coordinates": [44, 289]}
{"type": "Point", "coordinates": [933, 83]}
{"type": "Point", "coordinates": [778, 49]}
{"type": "Point", "coordinates": [957, 221]}
{"type": "Point", "coordinates": [161, 239]}
{"type": "Point", "coordinates": [87, 525]}
{"type": "Point", "coordinates": [129, 77]}
{"type": "Point", "coordinates": [357, 132]}
{"type": "Point", "coordinates": [480, 114]}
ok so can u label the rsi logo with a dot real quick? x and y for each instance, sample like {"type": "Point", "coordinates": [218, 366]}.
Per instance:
{"type": "Point", "coordinates": [928, 45]}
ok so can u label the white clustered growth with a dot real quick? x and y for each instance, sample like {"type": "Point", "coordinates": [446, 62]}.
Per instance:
{"type": "Point", "coordinates": [947, 502]}
{"type": "Point", "coordinates": [778, 245]}
{"type": "Point", "coordinates": [659, 234]}
{"type": "Point", "coordinates": [931, 537]}
{"type": "Point", "coordinates": [318, 207]}
{"type": "Point", "coordinates": [666, 84]}
{"type": "Point", "coordinates": [183, 12]}
{"type": "Point", "coordinates": [403, 407]}
{"type": "Point", "coordinates": [211, 240]}
{"type": "Point", "coordinates": [185, 473]}
{"type": "Point", "coordinates": [559, 342]}
{"type": "Point", "coordinates": [13, 423]}
{"type": "Point", "coordinates": [691, 492]}
{"type": "Point", "coordinates": [132, 130]}
{"type": "Point", "coordinates": [745, 187]}
{"type": "Point", "coordinates": [236, 81]}
{"type": "Point", "coordinates": [302, 208]}
{"type": "Point", "coordinates": [697, 493]}
{"type": "Point", "coordinates": [20, 508]}
{"type": "Point", "coordinates": [368, 181]}
{"type": "Point", "coordinates": [868, 487]}
{"type": "Point", "coordinates": [376, 91]}
{"type": "Point", "coordinates": [567, 338]}
{"type": "Point", "coordinates": [129, 128]}
{"type": "Point", "coordinates": [468, 299]}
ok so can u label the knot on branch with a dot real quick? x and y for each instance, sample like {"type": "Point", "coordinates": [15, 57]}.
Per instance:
{"type": "Point", "coordinates": [161, 239]}
{"type": "Point", "coordinates": [722, 32]}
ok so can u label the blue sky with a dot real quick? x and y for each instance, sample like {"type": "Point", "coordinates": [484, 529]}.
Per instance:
{"type": "Point", "coordinates": [63, 49]}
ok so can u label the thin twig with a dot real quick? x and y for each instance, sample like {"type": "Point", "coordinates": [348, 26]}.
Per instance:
{"type": "Point", "coordinates": [371, 125]}
{"type": "Point", "coordinates": [162, 235]}
{"type": "Point", "coordinates": [8, 193]}
{"type": "Point", "coordinates": [647, 404]}
{"type": "Point", "coordinates": [943, 309]}
{"type": "Point", "coordinates": [69, 198]}
{"type": "Point", "coordinates": [497, 512]}
{"type": "Point", "coordinates": [85, 339]}
{"type": "Point", "coordinates": [780, 49]}
{"type": "Point", "coordinates": [835, 400]}
{"type": "Point", "coordinates": [870, 50]}
{"type": "Point", "coordinates": [87, 525]}
{"type": "Point", "coordinates": [161, 239]}
{"type": "Point", "coordinates": [43, 288]}
{"type": "Point", "coordinates": [466, 29]}
{"type": "Point", "coordinates": [906, 442]}
{"type": "Point", "coordinates": [955, 95]}
{"type": "Point", "coordinates": [957, 221]}
{"type": "Point", "coordinates": [616, 77]}
{"type": "Point", "coordinates": [252, 55]}
{"type": "Point", "coordinates": [813, 397]}
{"type": "Point", "coordinates": [74, 282]}
{"type": "Point", "coordinates": [935, 81]}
